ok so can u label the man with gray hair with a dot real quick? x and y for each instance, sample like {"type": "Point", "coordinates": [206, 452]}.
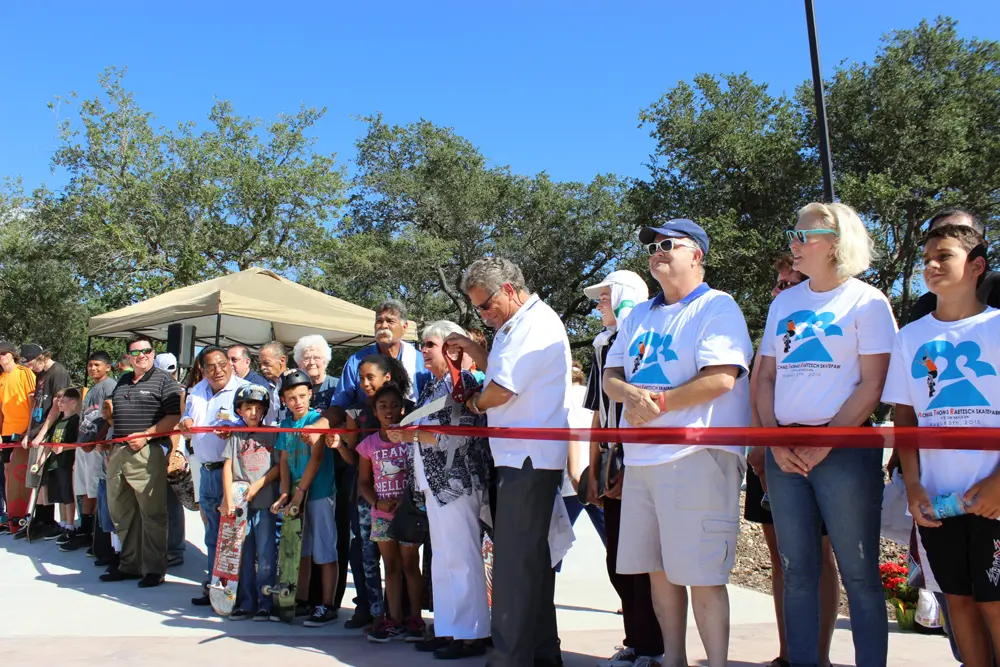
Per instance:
{"type": "Point", "coordinates": [527, 378]}
{"type": "Point", "coordinates": [390, 327]}
{"type": "Point", "coordinates": [273, 360]}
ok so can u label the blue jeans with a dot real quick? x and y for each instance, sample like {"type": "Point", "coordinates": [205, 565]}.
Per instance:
{"type": "Point", "coordinates": [103, 511]}
{"type": "Point", "coordinates": [845, 491]}
{"type": "Point", "coordinates": [209, 499]}
{"type": "Point", "coordinates": [370, 557]}
{"type": "Point", "coordinates": [259, 563]}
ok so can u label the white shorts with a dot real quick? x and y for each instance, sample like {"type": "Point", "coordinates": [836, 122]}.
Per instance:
{"type": "Point", "coordinates": [682, 518]}
{"type": "Point", "coordinates": [87, 472]}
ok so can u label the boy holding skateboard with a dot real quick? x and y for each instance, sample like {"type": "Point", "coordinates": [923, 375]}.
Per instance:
{"type": "Point", "coordinates": [252, 459]}
{"type": "Point", "coordinates": [954, 495]}
{"type": "Point", "coordinates": [59, 465]}
{"type": "Point", "coordinates": [307, 476]}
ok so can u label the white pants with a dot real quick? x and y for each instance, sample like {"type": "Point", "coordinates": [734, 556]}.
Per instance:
{"type": "Point", "coordinates": [457, 571]}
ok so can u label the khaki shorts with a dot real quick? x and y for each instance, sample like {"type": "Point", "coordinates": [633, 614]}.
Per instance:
{"type": "Point", "coordinates": [682, 518]}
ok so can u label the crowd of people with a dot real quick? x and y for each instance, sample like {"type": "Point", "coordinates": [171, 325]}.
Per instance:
{"type": "Point", "coordinates": [407, 509]}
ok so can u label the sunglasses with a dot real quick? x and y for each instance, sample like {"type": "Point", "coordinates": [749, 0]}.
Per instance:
{"type": "Point", "coordinates": [666, 245]}
{"type": "Point", "coordinates": [485, 305]}
{"type": "Point", "coordinates": [136, 353]}
{"type": "Point", "coordinates": [802, 235]}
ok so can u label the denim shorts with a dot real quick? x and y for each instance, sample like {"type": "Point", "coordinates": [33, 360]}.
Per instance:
{"type": "Point", "coordinates": [320, 538]}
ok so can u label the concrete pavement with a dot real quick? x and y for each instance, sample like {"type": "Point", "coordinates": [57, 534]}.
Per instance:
{"type": "Point", "coordinates": [55, 609]}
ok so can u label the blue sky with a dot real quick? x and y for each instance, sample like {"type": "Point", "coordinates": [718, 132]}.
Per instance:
{"type": "Point", "coordinates": [540, 86]}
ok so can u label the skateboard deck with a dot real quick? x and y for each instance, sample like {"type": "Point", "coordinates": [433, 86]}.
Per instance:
{"type": "Point", "coordinates": [488, 565]}
{"type": "Point", "coordinates": [228, 553]}
{"type": "Point", "coordinates": [35, 469]}
{"type": "Point", "coordinates": [289, 557]}
{"type": "Point", "coordinates": [33, 478]}
{"type": "Point", "coordinates": [18, 495]}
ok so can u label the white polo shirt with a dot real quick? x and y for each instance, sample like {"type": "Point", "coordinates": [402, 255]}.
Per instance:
{"type": "Point", "coordinates": [661, 346]}
{"type": "Point", "coordinates": [948, 373]}
{"type": "Point", "coordinates": [207, 409]}
{"type": "Point", "coordinates": [530, 357]}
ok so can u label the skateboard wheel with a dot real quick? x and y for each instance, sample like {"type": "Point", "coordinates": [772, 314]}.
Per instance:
{"type": "Point", "coordinates": [34, 469]}
{"type": "Point", "coordinates": [22, 522]}
{"type": "Point", "coordinates": [293, 511]}
{"type": "Point", "coordinates": [266, 590]}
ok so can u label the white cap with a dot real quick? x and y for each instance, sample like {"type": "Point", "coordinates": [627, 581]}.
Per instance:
{"type": "Point", "coordinates": [166, 362]}
{"type": "Point", "coordinates": [624, 278]}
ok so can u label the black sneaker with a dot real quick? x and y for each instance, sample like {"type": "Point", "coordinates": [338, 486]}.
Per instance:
{"type": "Point", "coordinates": [49, 531]}
{"type": "Point", "coordinates": [65, 536]}
{"type": "Point", "coordinates": [302, 609]}
{"type": "Point", "coordinates": [117, 575]}
{"type": "Point", "coordinates": [175, 560]}
{"type": "Point", "coordinates": [151, 580]}
{"type": "Point", "coordinates": [77, 541]}
{"type": "Point", "coordinates": [322, 615]}
{"type": "Point", "coordinates": [110, 561]}
{"type": "Point", "coordinates": [202, 601]}
{"type": "Point", "coordinates": [90, 552]}
{"type": "Point", "coordinates": [262, 616]}
{"type": "Point", "coordinates": [21, 533]}
{"type": "Point", "coordinates": [239, 615]}
{"type": "Point", "coordinates": [358, 621]}
{"type": "Point", "coordinates": [387, 631]}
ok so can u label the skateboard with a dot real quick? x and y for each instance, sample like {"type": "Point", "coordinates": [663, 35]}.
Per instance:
{"type": "Point", "coordinates": [228, 553]}
{"type": "Point", "coordinates": [289, 557]}
{"type": "Point", "coordinates": [35, 470]}
{"type": "Point", "coordinates": [488, 565]}
{"type": "Point", "coordinates": [18, 495]}
{"type": "Point", "coordinates": [33, 478]}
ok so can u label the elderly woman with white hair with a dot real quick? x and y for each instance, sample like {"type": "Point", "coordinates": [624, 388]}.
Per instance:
{"type": "Point", "coordinates": [312, 354]}
{"type": "Point", "coordinates": [453, 473]}
{"type": "Point", "coordinates": [824, 358]}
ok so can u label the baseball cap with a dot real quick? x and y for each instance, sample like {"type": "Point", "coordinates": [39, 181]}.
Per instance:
{"type": "Point", "coordinates": [675, 229]}
{"type": "Point", "coordinates": [30, 351]}
{"type": "Point", "coordinates": [166, 362]}
{"type": "Point", "coordinates": [6, 347]}
{"type": "Point", "coordinates": [626, 278]}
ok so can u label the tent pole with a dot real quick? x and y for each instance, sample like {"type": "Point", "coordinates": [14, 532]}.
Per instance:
{"type": "Point", "coordinates": [218, 328]}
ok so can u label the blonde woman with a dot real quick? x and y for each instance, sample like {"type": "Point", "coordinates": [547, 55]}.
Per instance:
{"type": "Point", "coordinates": [824, 358]}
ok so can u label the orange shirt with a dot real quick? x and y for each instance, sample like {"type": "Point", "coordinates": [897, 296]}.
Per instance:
{"type": "Point", "coordinates": [15, 389]}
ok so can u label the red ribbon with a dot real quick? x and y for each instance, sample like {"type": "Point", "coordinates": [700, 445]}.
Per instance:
{"type": "Point", "coordinates": [812, 436]}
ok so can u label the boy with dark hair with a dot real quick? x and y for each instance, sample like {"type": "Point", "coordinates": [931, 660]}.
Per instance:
{"type": "Point", "coordinates": [307, 478]}
{"type": "Point", "coordinates": [954, 495]}
{"type": "Point", "coordinates": [59, 465]}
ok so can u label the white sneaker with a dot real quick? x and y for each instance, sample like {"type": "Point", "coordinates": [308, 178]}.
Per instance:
{"type": "Point", "coordinates": [623, 657]}
{"type": "Point", "coordinates": [645, 661]}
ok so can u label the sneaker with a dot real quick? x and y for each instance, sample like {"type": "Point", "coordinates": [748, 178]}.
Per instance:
{"type": "Point", "coordinates": [114, 574]}
{"type": "Point", "coordinates": [239, 615]}
{"type": "Point", "coordinates": [77, 541]}
{"type": "Point", "coordinates": [415, 630]}
{"type": "Point", "coordinates": [49, 531]}
{"type": "Point", "coordinates": [175, 560]}
{"type": "Point", "coordinates": [386, 631]}
{"type": "Point", "coordinates": [273, 617]}
{"type": "Point", "coordinates": [302, 609]}
{"type": "Point", "coordinates": [645, 661]}
{"type": "Point", "coordinates": [262, 615]}
{"type": "Point", "coordinates": [322, 615]}
{"type": "Point", "coordinates": [202, 601]}
{"type": "Point", "coordinates": [459, 650]}
{"type": "Point", "coordinates": [623, 657]}
{"type": "Point", "coordinates": [151, 580]}
{"type": "Point", "coordinates": [65, 536]}
{"type": "Point", "coordinates": [21, 533]}
{"type": "Point", "coordinates": [89, 553]}
{"type": "Point", "coordinates": [358, 621]}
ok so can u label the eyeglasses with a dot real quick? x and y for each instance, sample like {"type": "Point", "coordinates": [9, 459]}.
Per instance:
{"type": "Point", "coordinates": [802, 235]}
{"type": "Point", "coordinates": [311, 358]}
{"type": "Point", "coordinates": [136, 353]}
{"type": "Point", "coordinates": [666, 245]}
{"type": "Point", "coordinates": [428, 345]}
{"type": "Point", "coordinates": [485, 305]}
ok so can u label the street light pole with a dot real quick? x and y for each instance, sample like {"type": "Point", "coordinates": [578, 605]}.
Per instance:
{"type": "Point", "coordinates": [821, 126]}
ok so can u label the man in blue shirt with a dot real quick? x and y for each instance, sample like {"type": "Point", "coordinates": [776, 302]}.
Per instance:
{"type": "Point", "coordinates": [390, 327]}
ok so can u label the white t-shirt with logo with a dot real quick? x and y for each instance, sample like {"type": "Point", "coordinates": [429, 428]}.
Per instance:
{"type": "Point", "coordinates": [662, 346]}
{"type": "Point", "coordinates": [948, 373]}
{"type": "Point", "coordinates": [817, 339]}
{"type": "Point", "coordinates": [530, 357]}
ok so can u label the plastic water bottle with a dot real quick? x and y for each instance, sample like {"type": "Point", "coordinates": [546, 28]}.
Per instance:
{"type": "Point", "coordinates": [948, 506]}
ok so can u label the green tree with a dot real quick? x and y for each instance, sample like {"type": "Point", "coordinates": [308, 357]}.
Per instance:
{"type": "Point", "coordinates": [913, 132]}
{"type": "Point", "coordinates": [729, 156]}
{"type": "Point", "coordinates": [146, 210]}
{"type": "Point", "coordinates": [426, 205]}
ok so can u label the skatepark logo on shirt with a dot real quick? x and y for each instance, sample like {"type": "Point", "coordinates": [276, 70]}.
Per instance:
{"type": "Point", "coordinates": [650, 352]}
{"type": "Point", "coordinates": [948, 386]}
{"type": "Point", "coordinates": [801, 336]}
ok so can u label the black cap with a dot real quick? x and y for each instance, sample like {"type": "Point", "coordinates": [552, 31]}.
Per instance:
{"type": "Point", "coordinates": [6, 347]}
{"type": "Point", "coordinates": [30, 351]}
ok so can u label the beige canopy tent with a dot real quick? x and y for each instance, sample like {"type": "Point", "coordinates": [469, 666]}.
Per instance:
{"type": "Point", "coordinates": [251, 307]}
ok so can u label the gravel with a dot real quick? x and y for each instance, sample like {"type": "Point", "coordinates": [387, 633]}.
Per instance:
{"type": "Point", "coordinates": [753, 562]}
